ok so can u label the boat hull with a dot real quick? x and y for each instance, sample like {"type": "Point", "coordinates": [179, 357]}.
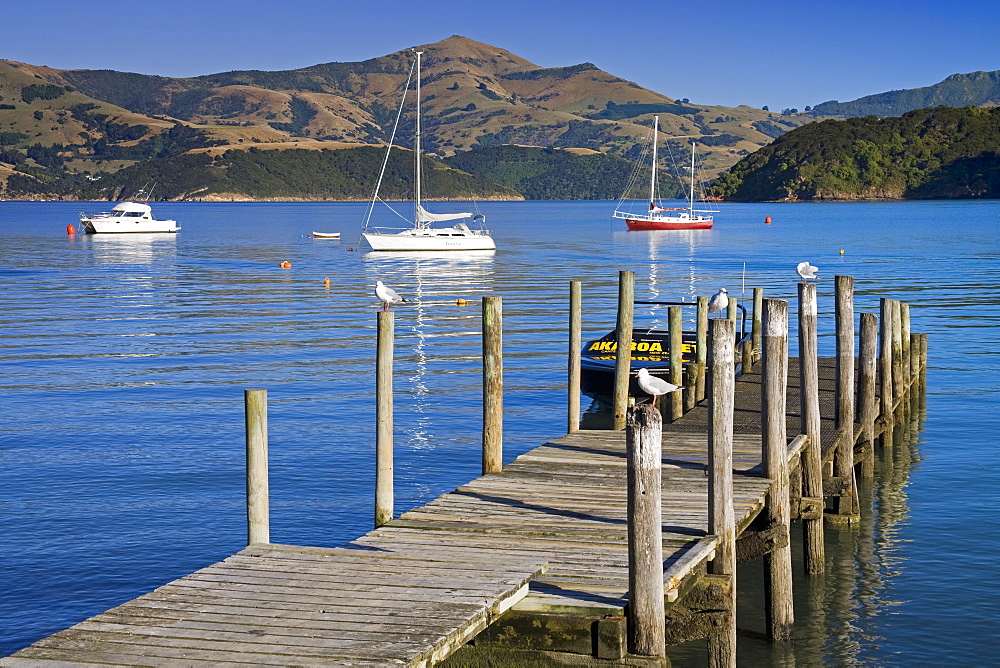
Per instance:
{"type": "Point", "coordinates": [412, 242]}
{"type": "Point", "coordinates": [125, 226]}
{"type": "Point", "coordinates": [645, 225]}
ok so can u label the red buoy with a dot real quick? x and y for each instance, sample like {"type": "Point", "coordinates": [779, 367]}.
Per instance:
{"type": "Point", "coordinates": [70, 230]}
{"type": "Point", "coordinates": [767, 219]}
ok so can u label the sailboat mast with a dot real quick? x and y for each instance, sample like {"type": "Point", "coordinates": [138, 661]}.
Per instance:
{"type": "Point", "coordinates": [416, 205]}
{"type": "Point", "coordinates": [691, 199]}
{"type": "Point", "coordinates": [652, 176]}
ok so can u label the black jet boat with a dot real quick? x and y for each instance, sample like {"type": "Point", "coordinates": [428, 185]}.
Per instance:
{"type": "Point", "coordinates": [650, 349]}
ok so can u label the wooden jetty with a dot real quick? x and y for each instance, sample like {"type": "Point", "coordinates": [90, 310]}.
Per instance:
{"type": "Point", "coordinates": [555, 552]}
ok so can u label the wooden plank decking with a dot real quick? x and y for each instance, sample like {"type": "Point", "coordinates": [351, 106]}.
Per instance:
{"type": "Point", "coordinates": [548, 533]}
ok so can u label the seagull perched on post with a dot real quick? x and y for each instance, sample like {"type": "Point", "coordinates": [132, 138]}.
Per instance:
{"type": "Point", "coordinates": [806, 270]}
{"type": "Point", "coordinates": [387, 296]}
{"type": "Point", "coordinates": [654, 386]}
{"type": "Point", "coordinates": [719, 301]}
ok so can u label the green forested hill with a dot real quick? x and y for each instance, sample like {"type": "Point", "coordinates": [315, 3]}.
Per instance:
{"type": "Point", "coordinates": [958, 90]}
{"type": "Point", "coordinates": [943, 152]}
{"type": "Point", "coordinates": [546, 173]}
{"type": "Point", "coordinates": [345, 174]}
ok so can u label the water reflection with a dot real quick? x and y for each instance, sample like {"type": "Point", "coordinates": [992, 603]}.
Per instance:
{"type": "Point", "coordinates": [131, 248]}
{"type": "Point", "coordinates": [435, 282]}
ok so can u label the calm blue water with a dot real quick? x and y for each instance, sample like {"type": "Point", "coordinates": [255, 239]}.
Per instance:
{"type": "Point", "coordinates": [124, 360]}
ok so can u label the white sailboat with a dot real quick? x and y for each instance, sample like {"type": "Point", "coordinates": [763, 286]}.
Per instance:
{"type": "Point", "coordinates": [422, 236]}
{"type": "Point", "coordinates": [660, 218]}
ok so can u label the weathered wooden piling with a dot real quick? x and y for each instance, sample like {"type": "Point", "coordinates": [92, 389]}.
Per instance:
{"type": "Point", "coordinates": [258, 513]}
{"type": "Point", "coordinates": [384, 419]}
{"type": "Point", "coordinates": [758, 307]}
{"type": "Point", "coordinates": [623, 353]}
{"type": "Point", "coordinates": [721, 516]}
{"type": "Point", "coordinates": [897, 354]}
{"type": "Point", "coordinates": [885, 360]}
{"type": "Point", "coordinates": [867, 407]}
{"type": "Point", "coordinates": [701, 346]}
{"type": "Point", "coordinates": [644, 448]}
{"type": "Point", "coordinates": [843, 462]}
{"type": "Point", "coordinates": [812, 502]}
{"type": "Point", "coordinates": [676, 326]}
{"type": "Point", "coordinates": [774, 377]}
{"type": "Point", "coordinates": [492, 384]}
{"type": "Point", "coordinates": [904, 325]}
{"type": "Point", "coordinates": [575, 343]}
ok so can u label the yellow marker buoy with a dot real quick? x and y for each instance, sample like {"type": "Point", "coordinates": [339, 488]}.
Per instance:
{"type": "Point", "coordinates": [326, 281]}
{"type": "Point", "coordinates": [461, 302]}
{"type": "Point", "coordinates": [841, 251]}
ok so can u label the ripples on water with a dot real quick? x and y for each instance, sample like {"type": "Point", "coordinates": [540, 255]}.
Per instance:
{"type": "Point", "coordinates": [124, 360]}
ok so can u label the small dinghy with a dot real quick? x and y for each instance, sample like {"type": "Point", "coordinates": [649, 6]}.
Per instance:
{"type": "Point", "coordinates": [326, 235]}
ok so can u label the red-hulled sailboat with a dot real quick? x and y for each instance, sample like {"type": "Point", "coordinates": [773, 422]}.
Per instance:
{"type": "Point", "coordinates": [660, 218]}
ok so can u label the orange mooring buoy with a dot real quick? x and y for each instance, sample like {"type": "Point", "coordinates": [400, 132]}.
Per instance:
{"type": "Point", "coordinates": [326, 281]}
{"type": "Point", "coordinates": [767, 219]}
{"type": "Point", "coordinates": [70, 230]}
{"type": "Point", "coordinates": [285, 265]}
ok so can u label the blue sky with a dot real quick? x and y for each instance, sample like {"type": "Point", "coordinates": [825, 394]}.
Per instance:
{"type": "Point", "coordinates": [772, 52]}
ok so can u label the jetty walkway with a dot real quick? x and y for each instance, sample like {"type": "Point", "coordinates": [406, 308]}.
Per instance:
{"type": "Point", "coordinates": [533, 556]}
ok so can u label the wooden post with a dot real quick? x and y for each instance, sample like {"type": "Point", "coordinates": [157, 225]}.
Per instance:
{"type": "Point", "coordinates": [843, 462]}
{"type": "Point", "coordinates": [623, 351]}
{"type": "Point", "coordinates": [866, 391]}
{"type": "Point", "coordinates": [384, 419]}
{"type": "Point", "coordinates": [575, 342]}
{"type": "Point", "coordinates": [721, 516]}
{"type": "Point", "coordinates": [258, 513]}
{"type": "Point", "coordinates": [690, 386]}
{"type": "Point", "coordinates": [492, 384]}
{"type": "Point", "coordinates": [812, 455]}
{"type": "Point", "coordinates": [643, 438]}
{"type": "Point", "coordinates": [904, 325]}
{"type": "Point", "coordinates": [774, 377]}
{"type": "Point", "coordinates": [758, 306]}
{"type": "Point", "coordinates": [701, 345]}
{"type": "Point", "coordinates": [897, 354]}
{"type": "Point", "coordinates": [732, 313]}
{"type": "Point", "coordinates": [885, 363]}
{"type": "Point", "coordinates": [676, 330]}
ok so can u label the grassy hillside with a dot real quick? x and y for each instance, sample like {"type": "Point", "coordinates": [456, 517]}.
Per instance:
{"type": "Point", "coordinates": [930, 153]}
{"type": "Point", "coordinates": [475, 95]}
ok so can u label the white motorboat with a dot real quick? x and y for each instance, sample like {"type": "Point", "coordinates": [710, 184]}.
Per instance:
{"type": "Point", "coordinates": [126, 217]}
{"type": "Point", "coordinates": [422, 236]}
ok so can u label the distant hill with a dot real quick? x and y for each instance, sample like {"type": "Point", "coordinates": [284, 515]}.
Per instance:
{"type": "Point", "coordinates": [978, 88]}
{"type": "Point", "coordinates": [87, 124]}
{"type": "Point", "coordinates": [937, 153]}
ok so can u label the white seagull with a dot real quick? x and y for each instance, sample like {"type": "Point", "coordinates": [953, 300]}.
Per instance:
{"type": "Point", "coordinates": [387, 296]}
{"type": "Point", "coordinates": [654, 386]}
{"type": "Point", "coordinates": [719, 301]}
{"type": "Point", "coordinates": [806, 270]}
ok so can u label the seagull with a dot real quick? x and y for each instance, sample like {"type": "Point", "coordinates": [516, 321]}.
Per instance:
{"type": "Point", "coordinates": [806, 270]}
{"type": "Point", "coordinates": [719, 301]}
{"type": "Point", "coordinates": [387, 296]}
{"type": "Point", "coordinates": [654, 386]}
